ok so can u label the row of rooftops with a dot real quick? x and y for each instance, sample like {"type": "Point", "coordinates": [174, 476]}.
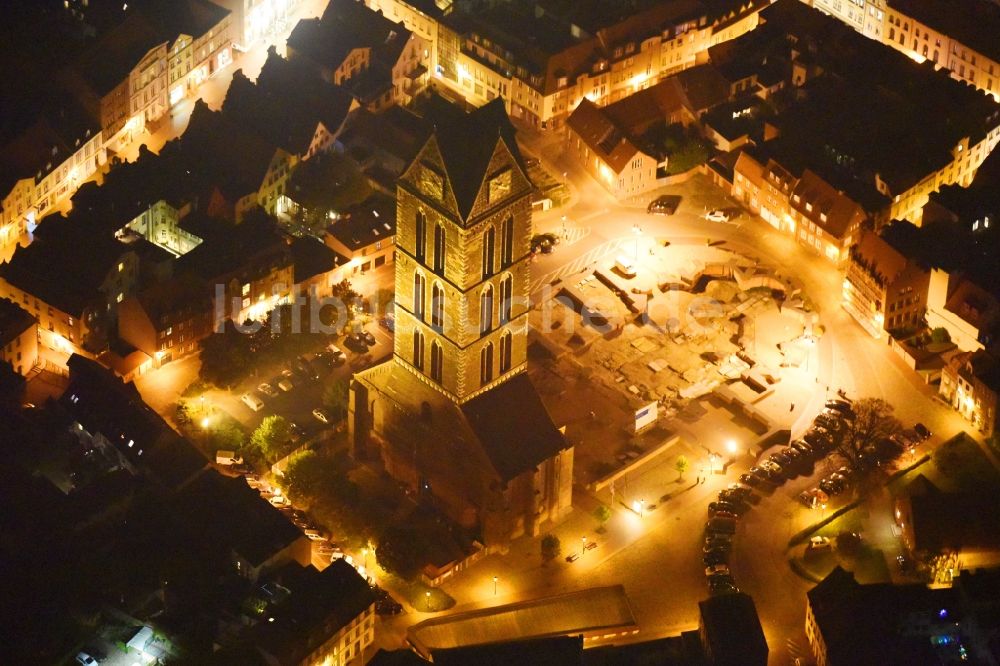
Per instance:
{"type": "Point", "coordinates": [553, 39]}
{"type": "Point", "coordinates": [47, 113]}
{"type": "Point", "coordinates": [859, 108]}
{"type": "Point", "coordinates": [201, 519]}
{"type": "Point", "coordinates": [223, 154]}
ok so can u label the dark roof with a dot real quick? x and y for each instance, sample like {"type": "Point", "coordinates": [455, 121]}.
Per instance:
{"type": "Point", "coordinates": [397, 658]}
{"type": "Point", "coordinates": [556, 651]}
{"type": "Point", "coordinates": [55, 270]}
{"type": "Point", "coordinates": [365, 223]}
{"type": "Point", "coordinates": [320, 604]}
{"type": "Point", "coordinates": [263, 106]}
{"type": "Point", "coordinates": [313, 258]}
{"type": "Point", "coordinates": [56, 130]}
{"type": "Point", "coordinates": [861, 624]}
{"type": "Point", "coordinates": [103, 403]}
{"type": "Point", "coordinates": [467, 142]}
{"type": "Point", "coordinates": [955, 521]}
{"type": "Point", "coordinates": [249, 247]}
{"type": "Point", "coordinates": [513, 427]}
{"type": "Point", "coordinates": [14, 320]}
{"type": "Point", "coordinates": [217, 150]}
{"type": "Point", "coordinates": [732, 630]}
{"type": "Point", "coordinates": [239, 517]}
{"type": "Point", "coordinates": [149, 24]}
{"type": "Point", "coordinates": [913, 115]}
{"type": "Point", "coordinates": [175, 299]}
{"type": "Point", "coordinates": [347, 25]}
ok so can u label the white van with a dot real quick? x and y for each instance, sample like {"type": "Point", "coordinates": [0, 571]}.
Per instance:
{"type": "Point", "coordinates": [252, 401]}
{"type": "Point", "coordinates": [624, 266]}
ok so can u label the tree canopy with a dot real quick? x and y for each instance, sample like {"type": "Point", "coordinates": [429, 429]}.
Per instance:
{"type": "Point", "coordinates": [271, 437]}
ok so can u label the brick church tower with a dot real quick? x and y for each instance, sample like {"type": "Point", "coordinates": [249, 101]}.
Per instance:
{"type": "Point", "coordinates": [454, 412]}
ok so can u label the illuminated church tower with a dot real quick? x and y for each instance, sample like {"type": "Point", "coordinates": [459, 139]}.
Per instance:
{"type": "Point", "coordinates": [454, 413]}
{"type": "Point", "coordinates": [463, 233]}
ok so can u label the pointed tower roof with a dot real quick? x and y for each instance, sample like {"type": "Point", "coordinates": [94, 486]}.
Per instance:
{"type": "Point", "coordinates": [466, 144]}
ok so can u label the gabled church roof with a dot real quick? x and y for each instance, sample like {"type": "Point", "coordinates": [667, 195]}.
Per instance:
{"type": "Point", "coordinates": [513, 427]}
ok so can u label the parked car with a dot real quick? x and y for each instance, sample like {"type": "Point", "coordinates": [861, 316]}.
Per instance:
{"type": "Point", "coordinates": [818, 543]}
{"type": "Point", "coordinates": [388, 322]}
{"type": "Point", "coordinates": [286, 384]}
{"type": "Point", "coordinates": [715, 557]}
{"type": "Point", "coordinates": [813, 498]}
{"type": "Point", "coordinates": [714, 507]}
{"type": "Point", "coordinates": [717, 215]}
{"type": "Point", "coordinates": [839, 405]}
{"type": "Point", "coordinates": [315, 535]}
{"type": "Point", "coordinates": [267, 390]}
{"type": "Point", "coordinates": [714, 569]}
{"type": "Point", "coordinates": [338, 354]}
{"type": "Point", "coordinates": [752, 479]}
{"type": "Point", "coordinates": [252, 401]}
{"type": "Point", "coordinates": [368, 337]}
{"type": "Point", "coordinates": [737, 495]}
{"type": "Point", "coordinates": [832, 486]}
{"type": "Point", "coordinates": [717, 547]}
{"type": "Point", "coordinates": [664, 205]}
{"type": "Point", "coordinates": [803, 447]}
{"type": "Point", "coordinates": [278, 501]}
{"type": "Point", "coordinates": [85, 659]}
{"type": "Point", "coordinates": [321, 415]}
{"type": "Point", "coordinates": [922, 431]}
{"type": "Point", "coordinates": [721, 525]}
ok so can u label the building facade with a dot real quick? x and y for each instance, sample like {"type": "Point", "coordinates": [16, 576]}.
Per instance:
{"type": "Point", "coordinates": [971, 383]}
{"type": "Point", "coordinates": [883, 289]}
{"type": "Point", "coordinates": [454, 414]}
{"type": "Point", "coordinates": [488, 54]}
{"type": "Point", "coordinates": [18, 337]}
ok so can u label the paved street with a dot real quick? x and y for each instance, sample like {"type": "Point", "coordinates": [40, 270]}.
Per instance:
{"type": "Point", "coordinates": [658, 557]}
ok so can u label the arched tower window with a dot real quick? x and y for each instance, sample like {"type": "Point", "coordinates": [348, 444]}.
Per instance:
{"type": "Point", "coordinates": [437, 361]}
{"type": "Point", "coordinates": [489, 247]}
{"type": "Point", "coordinates": [486, 309]}
{"type": "Point", "coordinates": [418, 349]}
{"type": "Point", "coordinates": [507, 242]}
{"type": "Point", "coordinates": [420, 244]}
{"type": "Point", "coordinates": [437, 306]}
{"type": "Point", "coordinates": [439, 249]}
{"type": "Point", "coordinates": [506, 298]}
{"type": "Point", "coordinates": [419, 294]}
{"type": "Point", "coordinates": [506, 342]}
{"type": "Point", "coordinates": [486, 364]}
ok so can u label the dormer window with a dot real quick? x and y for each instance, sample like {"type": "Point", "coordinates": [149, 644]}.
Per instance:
{"type": "Point", "coordinates": [809, 207]}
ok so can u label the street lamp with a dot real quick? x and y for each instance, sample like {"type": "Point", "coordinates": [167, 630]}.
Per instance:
{"type": "Point", "coordinates": [732, 447]}
{"type": "Point", "coordinates": [204, 423]}
{"type": "Point", "coordinates": [637, 230]}
{"type": "Point", "coordinates": [583, 545]}
{"type": "Point", "coordinates": [427, 600]}
{"type": "Point", "coordinates": [495, 585]}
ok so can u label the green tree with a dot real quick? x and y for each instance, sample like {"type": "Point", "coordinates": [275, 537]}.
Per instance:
{"type": "Point", "coordinates": [335, 398]}
{"type": "Point", "coordinates": [227, 436]}
{"type": "Point", "coordinates": [681, 465]}
{"type": "Point", "coordinates": [550, 547]}
{"type": "Point", "coordinates": [271, 437]}
{"type": "Point", "coordinates": [873, 421]}
{"type": "Point", "coordinates": [304, 476]}
{"type": "Point", "coordinates": [940, 335]}
{"type": "Point", "coordinates": [225, 356]}
{"type": "Point", "coordinates": [602, 514]}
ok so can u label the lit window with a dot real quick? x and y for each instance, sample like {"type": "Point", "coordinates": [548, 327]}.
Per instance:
{"type": "Point", "coordinates": [246, 289]}
{"type": "Point", "coordinates": [120, 298]}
